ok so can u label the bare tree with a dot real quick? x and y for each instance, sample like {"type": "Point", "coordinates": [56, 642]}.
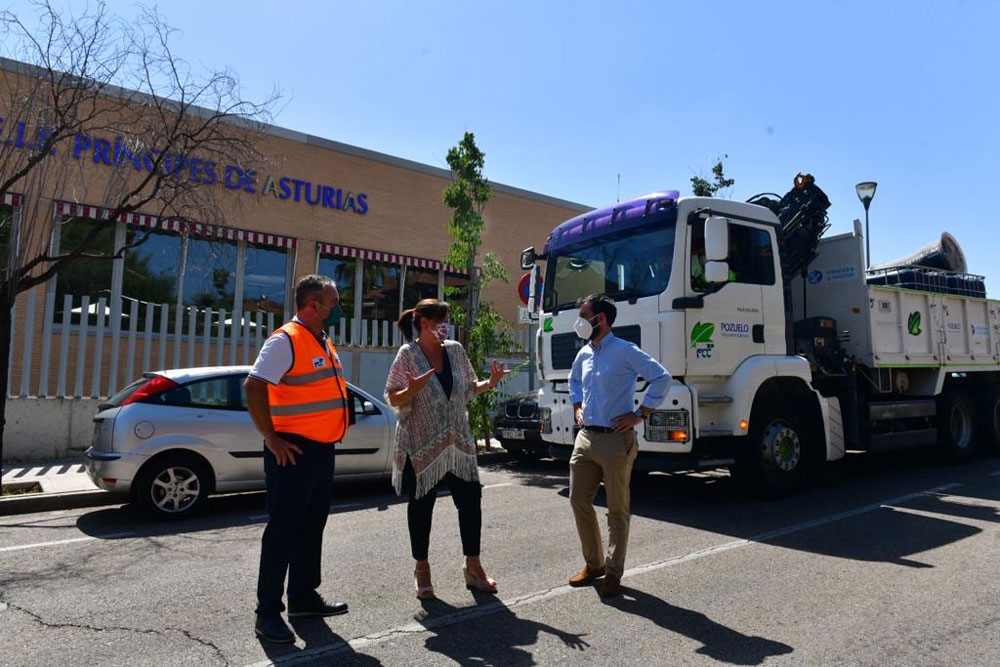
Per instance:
{"type": "Point", "coordinates": [154, 133]}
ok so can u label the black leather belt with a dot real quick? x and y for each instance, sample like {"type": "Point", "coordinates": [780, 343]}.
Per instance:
{"type": "Point", "coordinates": [599, 429]}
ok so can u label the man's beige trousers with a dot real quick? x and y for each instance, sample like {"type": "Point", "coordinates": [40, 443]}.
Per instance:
{"type": "Point", "coordinates": [606, 457]}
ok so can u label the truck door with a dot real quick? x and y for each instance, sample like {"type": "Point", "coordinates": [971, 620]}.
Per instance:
{"type": "Point", "coordinates": [730, 326]}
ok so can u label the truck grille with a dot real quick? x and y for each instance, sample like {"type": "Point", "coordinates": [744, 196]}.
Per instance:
{"type": "Point", "coordinates": [566, 345]}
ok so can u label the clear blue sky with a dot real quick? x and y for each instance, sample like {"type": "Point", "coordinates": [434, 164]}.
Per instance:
{"type": "Point", "coordinates": [565, 96]}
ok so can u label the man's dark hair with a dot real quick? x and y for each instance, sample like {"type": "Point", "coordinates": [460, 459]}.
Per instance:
{"type": "Point", "coordinates": [601, 303]}
{"type": "Point", "coordinates": [309, 288]}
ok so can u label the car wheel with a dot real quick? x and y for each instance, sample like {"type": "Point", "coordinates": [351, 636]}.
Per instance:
{"type": "Point", "coordinates": [781, 450]}
{"type": "Point", "coordinates": [173, 486]}
{"type": "Point", "coordinates": [957, 426]}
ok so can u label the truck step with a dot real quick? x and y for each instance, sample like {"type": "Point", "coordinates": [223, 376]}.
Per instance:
{"type": "Point", "coordinates": [714, 432]}
{"type": "Point", "coordinates": [709, 400]}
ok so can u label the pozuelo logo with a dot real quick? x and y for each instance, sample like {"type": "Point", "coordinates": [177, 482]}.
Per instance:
{"type": "Point", "coordinates": [913, 323]}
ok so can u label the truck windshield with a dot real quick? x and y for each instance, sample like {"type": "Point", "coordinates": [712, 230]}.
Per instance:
{"type": "Point", "coordinates": [624, 266]}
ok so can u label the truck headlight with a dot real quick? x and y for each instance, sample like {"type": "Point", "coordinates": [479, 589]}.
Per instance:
{"type": "Point", "coordinates": [668, 426]}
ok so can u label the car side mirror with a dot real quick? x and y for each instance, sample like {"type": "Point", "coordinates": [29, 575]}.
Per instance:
{"type": "Point", "coordinates": [528, 258]}
{"type": "Point", "coordinates": [717, 272]}
{"type": "Point", "coordinates": [716, 241]}
{"type": "Point", "coordinates": [368, 408]}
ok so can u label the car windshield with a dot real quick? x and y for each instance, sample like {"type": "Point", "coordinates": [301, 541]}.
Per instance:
{"type": "Point", "coordinates": [624, 266]}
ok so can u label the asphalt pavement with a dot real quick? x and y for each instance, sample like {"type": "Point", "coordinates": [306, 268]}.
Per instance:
{"type": "Point", "coordinates": [888, 561]}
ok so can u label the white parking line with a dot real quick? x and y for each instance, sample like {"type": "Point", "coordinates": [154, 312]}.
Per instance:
{"type": "Point", "coordinates": [54, 543]}
{"type": "Point", "coordinates": [995, 474]}
{"type": "Point", "coordinates": [494, 486]}
{"type": "Point", "coordinates": [538, 596]}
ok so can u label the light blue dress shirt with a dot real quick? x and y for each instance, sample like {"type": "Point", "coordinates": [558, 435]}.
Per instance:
{"type": "Point", "coordinates": [603, 380]}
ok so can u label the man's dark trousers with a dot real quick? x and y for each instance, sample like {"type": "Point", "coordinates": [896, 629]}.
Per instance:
{"type": "Point", "coordinates": [298, 502]}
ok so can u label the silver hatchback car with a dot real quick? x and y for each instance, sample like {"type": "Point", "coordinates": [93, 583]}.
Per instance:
{"type": "Point", "coordinates": [171, 438]}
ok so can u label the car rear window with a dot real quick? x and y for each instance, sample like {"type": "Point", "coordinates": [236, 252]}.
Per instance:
{"type": "Point", "coordinates": [117, 399]}
{"type": "Point", "coordinates": [210, 393]}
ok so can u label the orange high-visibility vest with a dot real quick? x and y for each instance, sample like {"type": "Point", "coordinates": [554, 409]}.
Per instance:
{"type": "Point", "coordinates": [311, 399]}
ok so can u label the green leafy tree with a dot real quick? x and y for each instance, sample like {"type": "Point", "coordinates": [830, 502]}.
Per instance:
{"type": "Point", "coordinates": [483, 331]}
{"type": "Point", "coordinates": [705, 188]}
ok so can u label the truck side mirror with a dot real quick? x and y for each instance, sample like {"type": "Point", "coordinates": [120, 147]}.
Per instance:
{"type": "Point", "coordinates": [716, 241]}
{"type": "Point", "coordinates": [717, 272]}
{"type": "Point", "coordinates": [528, 257]}
{"type": "Point", "coordinates": [533, 285]}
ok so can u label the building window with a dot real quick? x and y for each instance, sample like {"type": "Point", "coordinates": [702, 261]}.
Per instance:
{"type": "Point", "coordinates": [381, 291]}
{"type": "Point", "coordinates": [210, 273]}
{"type": "Point", "coordinates": [264, 286]}
{"type": "Point", "coordinates": [85, 276]}
{"type": "Point", "coordinates": [420, 284]}
{"type": "Point", "coordinates": [341, 271]}
{"type": "Point", "coordinates": [151, 272]}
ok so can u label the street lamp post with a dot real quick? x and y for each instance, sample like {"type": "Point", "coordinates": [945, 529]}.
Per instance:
{"type": "Point", "coordinates": [866, 191]}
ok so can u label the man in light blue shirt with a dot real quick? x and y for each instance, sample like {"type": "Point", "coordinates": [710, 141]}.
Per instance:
{"type": "Point", "coordinates": [602, 388]}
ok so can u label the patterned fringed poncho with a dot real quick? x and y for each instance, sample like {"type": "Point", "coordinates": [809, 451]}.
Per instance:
{"type": "Point", "coordinates": [433, 431]}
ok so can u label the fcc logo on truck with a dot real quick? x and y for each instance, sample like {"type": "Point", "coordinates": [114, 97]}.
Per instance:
{"type": "Point", "coordinates": [701, 339]}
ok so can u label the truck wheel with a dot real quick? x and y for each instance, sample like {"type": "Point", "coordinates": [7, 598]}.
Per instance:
{"type": "Point", "coordinates": [780, 451]}
{"type": "Point", "coordinates": [957, 426]}
{"type": "Point", "coordinates": [173, 486]}
{"type": "Point", "coordinates": [989, 434]}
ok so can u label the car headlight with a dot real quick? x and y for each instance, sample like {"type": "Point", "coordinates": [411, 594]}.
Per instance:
{"type": "Point", "coordinates": [668, 426]}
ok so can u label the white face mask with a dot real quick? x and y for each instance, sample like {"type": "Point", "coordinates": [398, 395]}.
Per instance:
{"type": "Point", "coordinates": [441, 332]}
{"type": "Point", "coordinates": [583, 328]}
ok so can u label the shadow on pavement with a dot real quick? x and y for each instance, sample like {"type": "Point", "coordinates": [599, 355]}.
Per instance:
{"type": "Point", "coordinates": [718, 641]}
{"type": "Point", "coordinates": [317, 635]}
{"type": "Point", "coordinates": [502, 640]}
{"type": "Point", "coordinates": [227, 511]}
{"type": "Point", "coordinates": [714, 502]}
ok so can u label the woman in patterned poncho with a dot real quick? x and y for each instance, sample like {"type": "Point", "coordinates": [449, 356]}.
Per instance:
{"type": "Point", "coordinates": [430, 384]}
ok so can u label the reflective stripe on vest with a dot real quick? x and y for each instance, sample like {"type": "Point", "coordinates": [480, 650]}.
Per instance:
{"type": "Point", "coordinates": [311, 399]}
{"type": "Point", "coordinates": [306, 408]}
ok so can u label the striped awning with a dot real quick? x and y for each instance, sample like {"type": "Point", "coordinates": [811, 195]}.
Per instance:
{"type": "Point", "coordinates": [175, 225]}
{"type": "Point", "coordinates": [388, 257]}
{"type": "Point", "coordinates": [10, 199]}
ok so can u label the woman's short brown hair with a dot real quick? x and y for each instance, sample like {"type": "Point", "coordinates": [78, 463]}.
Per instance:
{"type": "Point", "coordinates": [434, 310]}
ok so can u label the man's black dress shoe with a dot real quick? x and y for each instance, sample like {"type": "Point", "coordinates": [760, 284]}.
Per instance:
{"type": "Point", "coordinates": [271, 627]}
{"type": "Point", "coordinates": [317, 607]}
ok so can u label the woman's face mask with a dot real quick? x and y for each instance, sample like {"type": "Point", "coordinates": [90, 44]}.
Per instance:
{"type": "Point", "coordinates": [585, 328]}
{"type": "Point", "coordinates": [441, 332]}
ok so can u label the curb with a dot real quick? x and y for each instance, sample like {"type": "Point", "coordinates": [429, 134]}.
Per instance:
{"type": "Point", "coordinates": [47, 502]}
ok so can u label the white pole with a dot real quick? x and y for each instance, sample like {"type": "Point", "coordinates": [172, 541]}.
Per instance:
{"type": "Point", "coordinates": [220, 334]}
{"type": "Point", "coordinates": [50, 308]}
{"type": "Point", "coordinates": [95, 380]}
{"type": "Point", "coordinates": [29, 338]}
{"type": "Point", "coordinates": [147, 340]}
{"type": "Point", "coordinates": [206, 336]}
{"type": "Point", "coordinates": [81, 346]}
{"type": "Point", "coordinates": [133, 323]}
{"type": "Point", "coordinates": [164, 321]}
{"type": "Point", "coordinates": [64, 345]}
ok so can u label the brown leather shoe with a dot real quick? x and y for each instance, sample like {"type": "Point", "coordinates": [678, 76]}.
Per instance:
{"type": "Point", "coordinates": [586, 576]}
{"type": "Point", "coordinates": [610, 587]}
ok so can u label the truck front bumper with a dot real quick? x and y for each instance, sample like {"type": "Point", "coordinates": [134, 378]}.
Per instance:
{"type": "Point", "coordinates": [658, 461]}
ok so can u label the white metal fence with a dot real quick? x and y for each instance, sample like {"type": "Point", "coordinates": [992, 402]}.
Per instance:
{"type": "Point", "coordinates": [94, 348]}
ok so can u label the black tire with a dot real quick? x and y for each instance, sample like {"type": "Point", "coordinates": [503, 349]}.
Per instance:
{"type": "Point", "coordinates": [173, 486]}
{"type": "Point", "coordinates": [782, 450]}
{"type": "Point", "coordinates": [989, 422]}
{"type": "Point", "coordinates": [957, 426]}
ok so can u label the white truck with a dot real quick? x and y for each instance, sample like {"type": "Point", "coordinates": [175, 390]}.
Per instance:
{"type": "Point", "coordinates": [785, 349]}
